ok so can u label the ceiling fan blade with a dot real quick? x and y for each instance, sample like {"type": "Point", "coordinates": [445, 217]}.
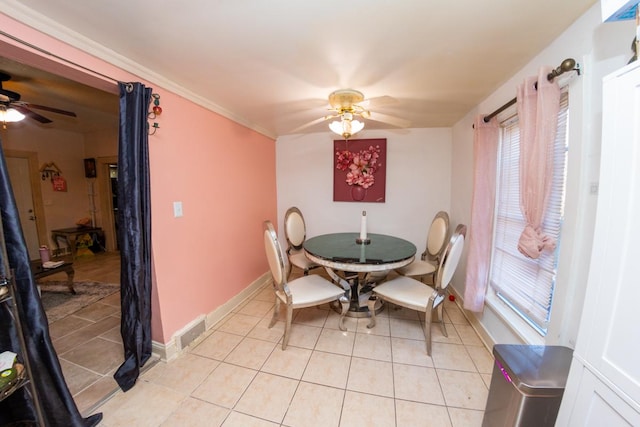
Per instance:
{"type": "Point", "coordinates": [306, 125]}
{"type": "Point", "coordinates": [378, 101]}
{"type": "Point", "coordinates": [51, 109]}
{"type": "Point", "coordinates": [31, 114]}
{"type": "Point", "coordinates": [385, 118]}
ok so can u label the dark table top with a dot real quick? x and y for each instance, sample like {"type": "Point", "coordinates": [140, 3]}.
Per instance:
{"type": "Point", "coordinates": [37, 268]}
{"type": "Point", "coordinates": [77, 230]}
{"type": "Point", "coordinates": [338, 249]}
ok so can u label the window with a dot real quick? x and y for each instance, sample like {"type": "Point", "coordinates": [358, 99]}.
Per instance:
{"type": "Point", "coordinates": [526, 285]}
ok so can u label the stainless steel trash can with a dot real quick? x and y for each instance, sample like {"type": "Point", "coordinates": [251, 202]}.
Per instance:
{"type": "Point", "coordinates": [526, 385]}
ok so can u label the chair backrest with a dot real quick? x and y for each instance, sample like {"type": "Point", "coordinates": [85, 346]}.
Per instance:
{"type": "Point", "coordinates": [294, 228]}
{"type": "Point", "coordinates": [275, 257]}
{"type": "Point", "coordinates": [437, 237]}
{"type": "Point", "coordinates": [451, 257]}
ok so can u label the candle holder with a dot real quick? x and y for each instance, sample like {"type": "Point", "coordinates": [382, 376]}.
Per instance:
{"type": "Point", "coordinates": [363, 241]}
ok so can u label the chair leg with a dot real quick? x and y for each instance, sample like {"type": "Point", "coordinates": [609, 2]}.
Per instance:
{"type": "Point", "coordinates": [276, 313]}
{"type": "Point", "coordinates": [344, 302]}
{"type": "Point", "coordinates": [287, 327]}
{"type": "Point", "coordinates": [427, 328]}
{"type": "Point", "coordinates": [441, 318]}
{"type": "Point", "coordinates": [289, 269]}
{"type": "Point", "coordinates": [371, 305]}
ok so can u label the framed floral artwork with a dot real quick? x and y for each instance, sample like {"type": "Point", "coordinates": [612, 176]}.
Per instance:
{"type": "Point", "coordinates": [359, 170]}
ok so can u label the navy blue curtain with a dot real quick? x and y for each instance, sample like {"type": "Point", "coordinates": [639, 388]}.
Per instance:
{"type": "Point", "coordinates": [58, 407]}
{"type": "Point", "coordinates": [134, 218]}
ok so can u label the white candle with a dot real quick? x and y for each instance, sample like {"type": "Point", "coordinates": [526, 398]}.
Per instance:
{"type": "Point", "coordinates": [363, 226]}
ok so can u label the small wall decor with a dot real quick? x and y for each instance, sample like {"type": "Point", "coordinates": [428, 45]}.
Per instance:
{"type": "Point", "coordinates": [54, 173]}
{"type": "Point", "coordinates": [156, 110]}
{"type": "Point", "coordinates": [90, 168]}
{"type": "Point", "coordinates": [359, 170]}
{"type": "Point", "coordinates": [59, 183]}
{"type": "Point", "coordinates": [49, 171]}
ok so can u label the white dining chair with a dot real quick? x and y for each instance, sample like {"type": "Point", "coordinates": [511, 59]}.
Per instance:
{"type": "Point", "coordinates": [437, 238]}
{"type": "Point", "coordinates": [295, 232]}
{"type": "Point", "coordinates": [416, 295]}
{"type": "Point", "coordinates": [305, 291]}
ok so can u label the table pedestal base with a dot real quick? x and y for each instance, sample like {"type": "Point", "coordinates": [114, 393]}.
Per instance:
{"type": "Point", "coordinates": [360, 300]}
{"type": "Point", "coordinates": [356, 311]}
{"type": "Point", "coordinates": [359, 296]}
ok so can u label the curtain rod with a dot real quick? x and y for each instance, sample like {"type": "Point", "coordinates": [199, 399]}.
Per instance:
{"type": "Point", "coordinates": [567, 65]}
{"type": "Point", "coordinates": [53, 55]}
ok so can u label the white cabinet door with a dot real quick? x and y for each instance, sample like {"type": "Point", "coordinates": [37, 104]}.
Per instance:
{"type": "Point", "coordinates": [604, 382]}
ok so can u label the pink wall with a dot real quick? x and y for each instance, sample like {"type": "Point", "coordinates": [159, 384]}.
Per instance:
{"type": "Point", "coordinates": [223, 173]}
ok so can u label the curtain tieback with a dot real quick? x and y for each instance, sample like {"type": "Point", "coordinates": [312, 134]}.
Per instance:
{"type": "Point", "coordinates": [532, 242]}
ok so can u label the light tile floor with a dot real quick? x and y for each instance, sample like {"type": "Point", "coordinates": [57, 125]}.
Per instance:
{"type": "Point", "coordinates": [88, 342]}
{"type": "Point", "coordinates": [238, 374]}
{"type": "Point", "coordinates": [90, 350]}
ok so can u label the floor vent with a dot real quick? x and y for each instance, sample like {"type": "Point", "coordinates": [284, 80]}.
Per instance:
{"type": "Point", "coordinates": [191, 332]}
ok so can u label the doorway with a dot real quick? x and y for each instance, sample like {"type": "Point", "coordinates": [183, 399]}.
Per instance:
{"type": "Point", "coordinates": [87, 342]}
{"type": "Point", "coordinates": [108, 195]}
{"type": "Point", "coordinates": [22, 166]}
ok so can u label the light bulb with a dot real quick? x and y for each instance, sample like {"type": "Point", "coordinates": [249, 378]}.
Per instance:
{"type": "Point", "coordinates": [346, 127]}
{"type": "Point", "coordinates": [356, 126]}
{"type": "Point", "coordinates": [336, 127]}
{"type": "Point", "coordinates": [8, 115]}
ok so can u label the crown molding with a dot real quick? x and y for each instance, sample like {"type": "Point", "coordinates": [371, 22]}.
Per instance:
{"type": "Point", "coordinates": [45, 25]}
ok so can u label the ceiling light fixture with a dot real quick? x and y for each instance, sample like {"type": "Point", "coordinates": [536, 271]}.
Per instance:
{"type": "Point", "coordinates": [8, 115]}
{"type": "Point", "coordinates": [346, 127]}
{"type": "Point", "coordinates": [345, 103]}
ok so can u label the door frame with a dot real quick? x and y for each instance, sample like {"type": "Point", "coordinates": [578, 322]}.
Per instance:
{"type": "Point", "coordinates": [106, 202]}
{"type": "Point", "coordinates": [36, 191]}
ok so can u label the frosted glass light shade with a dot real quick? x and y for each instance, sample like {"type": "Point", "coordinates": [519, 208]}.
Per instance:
{"type": "Point", "coordinates": [8, 115]}
{"type": "Point", "coordinates": [346, 128]}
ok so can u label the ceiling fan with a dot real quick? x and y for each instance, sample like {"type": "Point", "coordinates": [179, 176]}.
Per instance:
{"type": "Point", "coordinates": [347, 106]}
{"type": "Point", "coordinates": [12, 109]}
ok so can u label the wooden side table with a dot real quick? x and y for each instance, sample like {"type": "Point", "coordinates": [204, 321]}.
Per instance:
{"type": "Point", "coordinates": [39, 272]}
{"type": "Point", "coordinates": [70, 235]}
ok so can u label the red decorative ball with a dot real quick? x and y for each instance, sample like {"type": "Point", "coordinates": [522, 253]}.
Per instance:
{"type": "Point", "coordinates": [452, 297]}
{"type": "Point", "coordinates": [157, 110]}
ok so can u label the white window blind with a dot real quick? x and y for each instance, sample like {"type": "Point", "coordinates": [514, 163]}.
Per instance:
{"type": "Point", "coordinates": [525, 284]}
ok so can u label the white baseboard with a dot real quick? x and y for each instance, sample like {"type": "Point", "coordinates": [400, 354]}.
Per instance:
{"type": "Point", "coordinates": [482, 332]}
{"type": "Point", "coordinates": [177, 344]}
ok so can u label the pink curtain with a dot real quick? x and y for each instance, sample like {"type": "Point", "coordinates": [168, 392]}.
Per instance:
{"type": "Point", "coordinates": [485, 149]}
{"type": "Point", "coordinates": [538, 121]}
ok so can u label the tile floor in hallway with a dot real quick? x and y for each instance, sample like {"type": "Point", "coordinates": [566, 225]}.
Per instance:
{"type": "Point", "coordinates": [90, 349]}
{"type": "Point", "coordinates": [88, 342]}
{"type": "Point", "coordinates": [238, 374]}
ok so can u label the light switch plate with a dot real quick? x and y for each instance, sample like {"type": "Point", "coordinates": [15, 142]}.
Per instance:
{"type": "Point", "coordinates": [177, 209]}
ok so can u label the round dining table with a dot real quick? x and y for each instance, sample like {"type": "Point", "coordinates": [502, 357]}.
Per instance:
{"type": "Point", "coordinates": [358, 261]}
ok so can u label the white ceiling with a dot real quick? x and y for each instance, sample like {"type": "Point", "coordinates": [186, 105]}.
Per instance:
{"type": "Point", "coordinates": [272, 64]}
